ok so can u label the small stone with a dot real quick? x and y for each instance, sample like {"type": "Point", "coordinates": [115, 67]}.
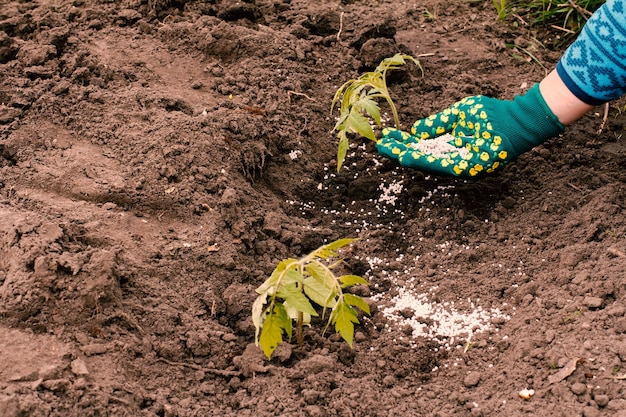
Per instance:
{"type": "Point", "coordinates": [578, 388]}
{"type": "Point", "coordinates": [602, 400]}
{"type": "Point", "coordinates": [592, 303]}
{"type": "Point", "coordinates": [472, 379]}
{"type": "Point", "coordinates": [359, 337]}
{"type": "Point", "coordinates": [109, 206]}
{"type": "Point", "coordinates": [229, 337]}
{"type": "Point", "coordinates": [79, 367]}
{"type": "Point", "coordinates": [389, 380]}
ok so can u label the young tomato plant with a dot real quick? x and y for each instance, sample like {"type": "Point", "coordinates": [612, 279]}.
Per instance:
{"type": "Point", "coordinates": [358, 102]}
{"type": "Point", "coordinates": [288, 293]}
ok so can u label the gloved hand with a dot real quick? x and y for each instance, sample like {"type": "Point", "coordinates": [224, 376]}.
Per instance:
{"type": "Point", "coordinates": [483, 135]}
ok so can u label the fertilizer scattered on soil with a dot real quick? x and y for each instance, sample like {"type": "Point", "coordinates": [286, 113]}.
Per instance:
{"type": "Point", "coordinates": [443, 322]}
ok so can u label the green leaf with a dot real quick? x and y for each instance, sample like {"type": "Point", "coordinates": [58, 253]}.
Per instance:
{"type": "Point", "coordinates": [370, 106]}
{"type": "Point", "coordinates": [284, 318]}
{"type": "Point", "coordinates": [321, 273]}
{"type": "Point", "coordinates": [291, 276]}
{"type": "Point", "coordinates": [296, 299]}
{"type": "Point", "coordinates": [293, 314]}
{"type": "Point", "coordinates": [277, 276]}
{"type": "Point", "coordinates": [342, 149]}
{"type": "Point", "coordinates": [344, 318]}
{"type": "Point", "coordinates": [359, 123]}
{"type": "Point", "coordinates": [356, 301]}
{"type": "Point", "coordinates": [324, 295]}
{"type": "Point", "coordinates": [394, 61]}
{"type": "Point", "coordinates": [276, 322]}
{"type": "Point", "coordinates": [349, 280]}
{"type": "Point", "coordinates": [330, 248]}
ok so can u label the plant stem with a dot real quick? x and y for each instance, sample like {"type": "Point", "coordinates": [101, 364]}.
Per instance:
{"type": "Point", "coordinates": [396, 119]}
{"type": "Point", "coordinates": [300, 329]}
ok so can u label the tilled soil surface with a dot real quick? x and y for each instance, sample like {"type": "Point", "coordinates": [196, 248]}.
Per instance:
{"type": "Point", "coordinates": [158, 158]}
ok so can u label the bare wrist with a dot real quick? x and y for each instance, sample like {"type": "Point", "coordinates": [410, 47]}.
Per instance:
{"type": "Point", "coordinates": [563, 103]}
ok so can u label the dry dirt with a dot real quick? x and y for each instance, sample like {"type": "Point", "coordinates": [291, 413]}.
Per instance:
{"type": "Point", "coordinates": [159, 157]}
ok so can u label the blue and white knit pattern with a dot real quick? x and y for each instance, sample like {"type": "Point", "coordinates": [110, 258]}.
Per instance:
{"type": "Point", "coordinates": [594, 66]}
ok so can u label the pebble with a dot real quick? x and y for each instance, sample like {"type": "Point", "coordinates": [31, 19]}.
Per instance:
{"type": "Point", "coordinates": [359, 337]}
{"type": "Point", "coordinates": [79, 367]}
{"type": "Point", "coordinates": [602, 400]}
{"type": "Point", "coordinates": [472, 379]}
{"type": "Point", "coordinates": [592, 302]}
{"type": "Point", "coordinates": [389, 380]}
{"type": "Point", "coordinates": [578, 388]}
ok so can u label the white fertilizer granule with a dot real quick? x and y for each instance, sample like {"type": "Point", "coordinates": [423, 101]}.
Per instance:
{"type": "Point", "coordinates": [439, 147]}
{"type": "Point", "coordinates": [446, 321]}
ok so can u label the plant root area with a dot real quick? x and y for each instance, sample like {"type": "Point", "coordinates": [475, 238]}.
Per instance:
{"type": "Point", "coordinates": [158, 158]}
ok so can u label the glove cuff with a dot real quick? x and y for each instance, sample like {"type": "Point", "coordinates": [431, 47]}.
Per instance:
{"type": "Point", "coordinates": [531, 122]}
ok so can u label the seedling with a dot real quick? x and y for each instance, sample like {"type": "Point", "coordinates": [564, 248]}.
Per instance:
{"type": "Point", "coordinates": [501, 8]}
{"type": "Point", "coordinates": [359, 102]}
{"type": "Point", "coordinates": [287, 295]}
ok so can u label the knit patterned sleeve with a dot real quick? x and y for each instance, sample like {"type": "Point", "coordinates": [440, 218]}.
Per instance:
{"type": "Point", "coordinates": [594, 66]}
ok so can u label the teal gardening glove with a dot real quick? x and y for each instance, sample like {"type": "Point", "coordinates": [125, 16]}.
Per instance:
{"type": "Point", "coordinates": [486, 132]}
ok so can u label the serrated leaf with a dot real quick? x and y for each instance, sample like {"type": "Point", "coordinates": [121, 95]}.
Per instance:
{"type": "Point", "coordinates": [349, 280]}
{"type": "Point", "coordinates": [321, 294]}
{"type": "Point", "coordinates": [276, 275]}
{"type": "Point", "coordinates": [295, 298]}
{"type": "Point", "coordinates": [356, 301]}
{"type": "Point", "coordinates": [276, 322]}
{"type": "Point", "coordinates": [322, 274]}
{"type": "Point", "coordinates": [369, 105]}
{"type": "Point", "coordinates": [341, 120]}
{"type": "Point", "coordinates": [351, 95]}
{"type": "Point", "coordinates": [344, 318]}
{"type": "Point", "coordinates": [291, 276]}
{"type": "Point", "coordinates": [359, 123]}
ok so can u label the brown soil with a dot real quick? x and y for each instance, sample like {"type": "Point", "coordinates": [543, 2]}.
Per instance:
{"type": "Point", "coordinates": [159, 157]}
